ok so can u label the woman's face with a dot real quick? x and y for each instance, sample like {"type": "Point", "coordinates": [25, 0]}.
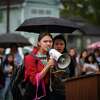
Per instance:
{"type": "Point", "coordinates": [10, 58]}
{"type": "Point", "coordinates": [45, 43]}
{"type": "Point", "coordinates": [84, 54]}
{"type": "Point", "coordinates": [90, 58]}
{"type": "Point", "coordinates": [59, 45]}
{"type": "Point", "coordinates": [72, 52]}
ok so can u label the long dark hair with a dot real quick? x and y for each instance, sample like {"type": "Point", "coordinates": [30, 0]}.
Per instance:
{"type": "Point", "coordinates": [6, 60]}
{"type": "Point", "coordinates": [93, 57]}
{"type": "Point", "coordinates": [85, 50]}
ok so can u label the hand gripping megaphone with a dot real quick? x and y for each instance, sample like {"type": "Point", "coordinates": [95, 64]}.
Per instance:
{"type": "Point", "coordinates": [63, 60]}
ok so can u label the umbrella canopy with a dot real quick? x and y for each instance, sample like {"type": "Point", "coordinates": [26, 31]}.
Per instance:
{"type": "Point", "coordinates": [7, 40]}
{"type": "Point", "coordinates": [89, 29]}
{"type": "Point", "coordinates": [85, 27]}
{"type": "Point", "coordinates": [94, 45]}
{"type": "Point", "coordinates": [47, 24]}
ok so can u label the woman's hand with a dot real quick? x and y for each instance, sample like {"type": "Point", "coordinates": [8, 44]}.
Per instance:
{"type": "Point", "coordinates": [51, 63]}
{"type": "Point", "coordinates": [10, 71]}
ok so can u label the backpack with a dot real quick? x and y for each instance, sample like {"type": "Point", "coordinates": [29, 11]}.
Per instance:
{"type": "Point", "coordinates": [19, 75]}
{"type": "Point", "coordinates": [18, 82]}
{"type": "Point", "coordinates": [2, 78]}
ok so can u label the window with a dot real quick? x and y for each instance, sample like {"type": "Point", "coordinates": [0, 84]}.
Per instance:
{"type": "Point", "coordinates": [34, 11]}
{"type": "Point", "coordinates": [41, 11]}
{"type": "Point", "coordinates": [48, 12]}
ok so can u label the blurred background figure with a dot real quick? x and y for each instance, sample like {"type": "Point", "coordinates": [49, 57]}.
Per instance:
{"type": "Point", "coordinates": [17, 56]}
{"type": "Point", "coordinates": [2, 51]}
{"type": "Point", "coordinates": [8, 70]}
{"type": "Point", "coordinates": [73, 65]}
{"type": "Point", "coordinates": [97, 55]}
{"type": "Point", "coordinates": [1, 78]}
{"type": "Point", "coordinates": [1, 83]}
{"type": "Point", "coordinates": [90, 66]}
{"type": "Point", "coordinates": [82, 59]}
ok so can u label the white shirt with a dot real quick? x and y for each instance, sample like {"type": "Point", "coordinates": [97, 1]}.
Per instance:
{"type": "Point", "coordinates": [93, 66]}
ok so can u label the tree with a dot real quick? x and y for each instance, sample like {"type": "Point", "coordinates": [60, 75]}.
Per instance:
{"type": "Point", "coordinates": [88, 9]}
{"type": "Point", "coordinates": [1, 16]}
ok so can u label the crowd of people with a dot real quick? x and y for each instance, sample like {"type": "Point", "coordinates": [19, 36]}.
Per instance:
{"type": "Point", "coordinates": [43, 80]}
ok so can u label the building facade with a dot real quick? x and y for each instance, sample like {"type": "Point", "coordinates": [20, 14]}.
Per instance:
{"type": "Point", "coordinates": [23, 9]}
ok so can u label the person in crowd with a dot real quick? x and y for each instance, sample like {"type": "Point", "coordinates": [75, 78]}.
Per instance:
{"type": "Point", "coordinates": [17, 57]}
{"type": "Point", "coordinates": [90, 66]}
{"type": "Point", "coordinates": [73, 65]}
{"type": "Point", "coordinates": [2, 51]}
{"type": "Point", "coordinates": [97, 55]}
{"type": "Point", "coordinates": [59, 43]}
{"type": "Point", "coordinates": [1, 83]}
{"type": "Point", "coordinates": [1, 72]}
{"type": "Point", "coordinates": [8, 70]}
{"type": "Point", "coordinates": [1, 78]}
{"type": "Point", "coordinates": [37, 68]}
{"type": "Point", "coordinates": [82, 58]}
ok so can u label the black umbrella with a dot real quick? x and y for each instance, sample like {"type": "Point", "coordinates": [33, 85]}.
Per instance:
{"type": "Point", "coordinates": [47, 24]}
{"type": "Point", "coordinates": [8, 40]}
{"type": "Point", "coordinates": [89, 29]}
{"type": "Point", "coordinates": [84, 26]}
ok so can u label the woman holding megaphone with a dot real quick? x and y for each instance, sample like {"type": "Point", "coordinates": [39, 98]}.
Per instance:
{"type": "Point", "coordinates": [59, 43]}
{"type": "Point", "coordinates": [37, 65]}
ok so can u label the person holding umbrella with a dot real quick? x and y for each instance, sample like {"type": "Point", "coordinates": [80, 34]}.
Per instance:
{"type": "Point", "coordinates": [37, 65]}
